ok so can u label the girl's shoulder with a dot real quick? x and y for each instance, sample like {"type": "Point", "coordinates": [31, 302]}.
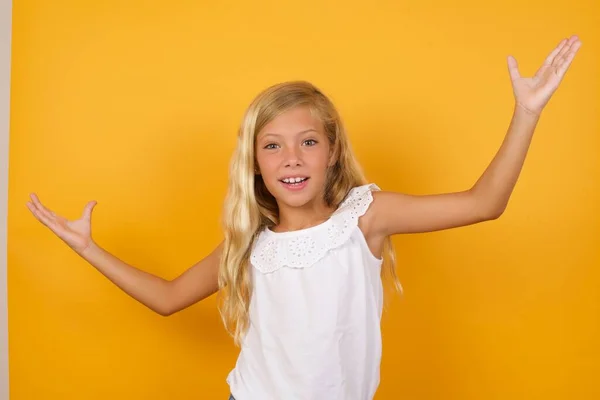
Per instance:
{"type": "Point", "coordinates": [358, 199]}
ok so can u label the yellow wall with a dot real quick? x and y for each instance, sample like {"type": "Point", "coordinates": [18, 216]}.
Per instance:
{"type": "Point", "coordinates": [136, 104]}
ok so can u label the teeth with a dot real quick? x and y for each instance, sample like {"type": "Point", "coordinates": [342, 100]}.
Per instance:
{"type": "Point", "coordinates": [293, 180]}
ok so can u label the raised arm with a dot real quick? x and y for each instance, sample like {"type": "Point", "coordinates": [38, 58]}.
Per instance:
{"type": "Point", "coordinates": [162, 296]}
{"type": "Point", "coordinates": [165, 297]}
{"type": "Point", "coordinates": [393, 213]}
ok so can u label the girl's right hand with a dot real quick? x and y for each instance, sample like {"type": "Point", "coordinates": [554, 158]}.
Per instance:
{"type": "Point", "coordinates": [77, 234]}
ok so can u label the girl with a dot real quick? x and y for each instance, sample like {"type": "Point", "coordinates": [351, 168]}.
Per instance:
{"type": "Point", "coordinates": [305, 238]}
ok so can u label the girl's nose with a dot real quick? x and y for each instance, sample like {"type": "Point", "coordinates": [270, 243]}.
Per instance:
{"type": "Point", "coordinates": [292, 156]}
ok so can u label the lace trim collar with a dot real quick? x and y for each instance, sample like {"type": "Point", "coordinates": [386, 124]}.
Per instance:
{"type": "Point", "coordinates": [304, 247]}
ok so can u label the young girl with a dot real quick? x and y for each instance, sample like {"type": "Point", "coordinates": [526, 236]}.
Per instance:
{"type": "Point", "coordinates": [305, 238]}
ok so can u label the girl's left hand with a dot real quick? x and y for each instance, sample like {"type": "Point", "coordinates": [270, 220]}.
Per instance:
{"type": "Point", "coordinates": [533, 93]}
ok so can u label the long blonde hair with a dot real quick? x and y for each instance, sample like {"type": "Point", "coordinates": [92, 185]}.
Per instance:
{"type": "Point", "coordinates": [249, 207]}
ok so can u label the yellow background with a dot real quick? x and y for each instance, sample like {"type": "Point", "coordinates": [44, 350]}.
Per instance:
{"type": "Point", "coordinates": [136, 104]}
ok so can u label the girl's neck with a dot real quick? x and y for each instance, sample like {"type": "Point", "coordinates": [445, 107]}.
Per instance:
{"type": "Point", "coordinates": [297, 218]}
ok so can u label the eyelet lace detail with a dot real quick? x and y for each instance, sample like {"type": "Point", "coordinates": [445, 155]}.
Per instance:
{"type": "Point", "coordinates": [302, 248]}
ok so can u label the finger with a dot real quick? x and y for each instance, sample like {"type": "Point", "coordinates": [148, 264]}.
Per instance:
{"type": "Point", "coordinates": [573, 39]}
{"type": "Point", "coordinates": [87, 211]}
{"type": "Point", "coordinates": [42, 209]}
{"type": "Point", "coordinates": [43, 218]}
{"type": "Point", "coordinates": [554, 53]}
{"type": "Point", "coordinates": [565, 62]}
{"type": "Point", "coordinates": [513, 68]}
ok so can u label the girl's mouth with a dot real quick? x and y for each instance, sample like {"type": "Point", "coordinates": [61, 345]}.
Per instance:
{"type": "Point", "coordinates": [295, 184]}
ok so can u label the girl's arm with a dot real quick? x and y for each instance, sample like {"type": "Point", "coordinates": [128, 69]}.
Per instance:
{"type": "Point", "coordinates": [162, 296]}
{"type": "Point", "coordinates": [393, 213]}
{"type": "Point", "coordinates": [165, 297]}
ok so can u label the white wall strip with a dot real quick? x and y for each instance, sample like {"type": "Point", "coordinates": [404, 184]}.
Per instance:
{"type": "Point", "coordinates": [5, 46]}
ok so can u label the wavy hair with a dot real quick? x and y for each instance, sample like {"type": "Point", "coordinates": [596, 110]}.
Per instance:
{"type": "Point", "coordinates": [249, 207]}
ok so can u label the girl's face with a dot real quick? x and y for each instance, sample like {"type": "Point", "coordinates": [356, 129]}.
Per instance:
{"type": "Point", "coordinates": [293, 153]}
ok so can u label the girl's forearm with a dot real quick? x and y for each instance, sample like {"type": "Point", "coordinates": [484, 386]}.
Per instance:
{"type": "Point", "coordinates": [496, 184]}
{"type": "Point", "coordinates": [148, 289]}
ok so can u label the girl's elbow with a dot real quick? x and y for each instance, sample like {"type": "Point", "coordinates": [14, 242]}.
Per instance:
{"type": "Point", "coordinates": [496, 213]}
{"type": "Point", "coordinates": [164, 312]}
{"type": "Point", "coordinates": [168, 308]}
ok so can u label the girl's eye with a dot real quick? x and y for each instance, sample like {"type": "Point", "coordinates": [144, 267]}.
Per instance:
{"type": "Point", "coordinates": [311, 142]}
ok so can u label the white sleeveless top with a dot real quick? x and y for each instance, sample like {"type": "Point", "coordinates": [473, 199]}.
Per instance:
{"type": "Point", "coordinates": [315, 312]}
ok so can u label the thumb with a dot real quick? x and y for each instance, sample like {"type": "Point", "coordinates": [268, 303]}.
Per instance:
{"type": "Point", "coordinates": [87, 211]}
{"type": "Point", "coordinates": [513, 68]}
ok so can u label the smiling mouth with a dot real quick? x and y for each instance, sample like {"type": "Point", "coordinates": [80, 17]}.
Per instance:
{"type": "Point", "coordinates": [293, 181]}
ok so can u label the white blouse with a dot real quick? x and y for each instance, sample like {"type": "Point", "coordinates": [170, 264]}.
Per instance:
{"type": "Point", "coordinates": [315, 312]}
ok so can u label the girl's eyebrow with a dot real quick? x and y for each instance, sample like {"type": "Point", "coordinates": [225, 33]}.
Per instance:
{"type": "Point", "coordinates": [299, 133]}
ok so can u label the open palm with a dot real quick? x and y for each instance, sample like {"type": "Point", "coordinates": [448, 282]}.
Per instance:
{"type": "Point", "coordinates": [77, 234]}
{"type": "Point", "coordinates": [535, 92]}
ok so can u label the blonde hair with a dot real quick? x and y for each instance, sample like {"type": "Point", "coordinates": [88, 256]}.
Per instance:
{"type": "Point", "coordinates": [249, 207]}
